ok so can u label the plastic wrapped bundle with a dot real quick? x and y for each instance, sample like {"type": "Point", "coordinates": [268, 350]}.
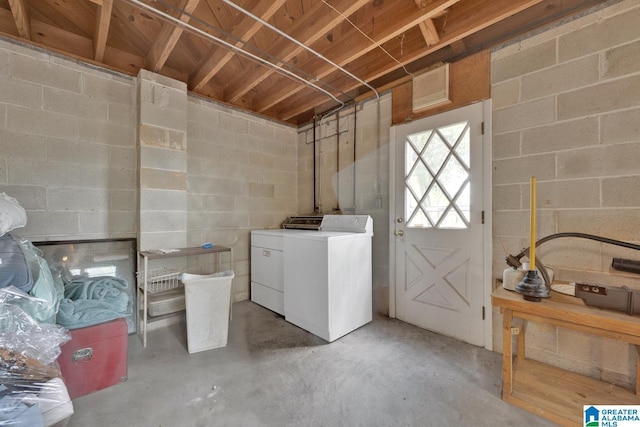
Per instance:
{"type": "Point", "coordinates": [32, 392]}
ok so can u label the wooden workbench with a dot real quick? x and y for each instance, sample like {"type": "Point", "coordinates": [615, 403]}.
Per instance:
{"type": "Point", "coordinates": [550, 392]}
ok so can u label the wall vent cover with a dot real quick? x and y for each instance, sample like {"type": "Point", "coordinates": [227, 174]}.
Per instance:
{"type": "Point", "coordinates": [431, 88]}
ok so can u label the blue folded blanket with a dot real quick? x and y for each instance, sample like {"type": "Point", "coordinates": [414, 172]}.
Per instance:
{"type": "Point", "coordinates": [93, 300]}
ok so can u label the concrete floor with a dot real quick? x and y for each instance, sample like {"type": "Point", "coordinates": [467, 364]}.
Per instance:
{"type": "Point", "coordinates": [272, 373]}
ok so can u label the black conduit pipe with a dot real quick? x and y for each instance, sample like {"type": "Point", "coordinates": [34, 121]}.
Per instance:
{"type": "Point", "coordinates": [315, 201]}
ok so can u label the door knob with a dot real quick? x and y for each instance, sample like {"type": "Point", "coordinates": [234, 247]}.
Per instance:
{"type": "Point", "coordinates": [399, 232]}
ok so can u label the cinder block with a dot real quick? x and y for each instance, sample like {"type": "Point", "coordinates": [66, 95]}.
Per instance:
{"type": "Point", "coordinates": [541, 336]}
{"type": "Point", "coordinates": [18, 144]}
{"type": "Point", "coordinates": [561, 136]}
{"type": "Point", "coordinates": [580, 254]}
{"type": "Point", "coordinates": [19, 92]}
{"type": "Point", "coordinates": [601, 98]}
{"type": "Point", "coordinates": [506, 145]}
{"type": "Point", "coordinates": [621, 192]}
{"type": "Point", "coordinates": [123, 157]}
{"type": "Point", "coordinates": [165, 239]}
{"type": "Point", "coordinates": [105, 88]}
{"type": "Point", "coordinates": [581, 193]}
{"type": "Point", "coordinates": [163, 117]}
{"type": "Point", "coordinates": [106, 133]}
{"type": "Point", "coordinates": [74, 104]}
{"type": "Point", "coordinates": [122, 179]}
{"type": "Point", "coordinates": [161, 179]}
{"type": "Point", "coordinates": [30, 197]}
{"type": "Point", "coordinates": [78, 199]}
{"type": "Point", "coordinates": [44, 123]}
{"type": "Point", "coordinates": [4, 61]}
{"type": "Point", "coordinates": [261, 160]}
{"type": "Point", "coordinates": [162, 200]}
{"type": "Point", "coordinates": [84, 153]}
{"type": "Point", "coordinates": [152, 78]}
{"type": "Point", "coordinates": [233, 123]}
{"type": "Point", "coordinates": [161, 158]}
{"type": "Point", "coordinates": [227, 154]}
{"type": "Point", "coordinates": [520, 170]}
{"type": "Point", "coordinates": [505, 197]}
{"type": "Point", "coordinates": [623, 126]}
{"type": "Point", "coordinates": [42, 173]}
{"type": "Point", "coordinates": [41, 225]}
{"type": "Point", "coordinates": [123, 115]}
{"type": "Point", "coordinates": [274, 148]}
{"type": "Point", "coordinates": [561, 78]}
{"type": "Point", "coordinates": [622, 60]}
{"type": "Point", "coordinates": [524, 61]}
{"type": "Point", "coordinates": [154, 221]}
{"type": "Point", "coordinates": [261, 130]}
{"type": "Point", "coordinates": [45, 73]}
{"type": "Point", "coordinates": [123, 200]}
{"type": "Point", "coordinates": [619, 159]}
{"type": "Point", "coordinates": [231, 220]}
{"type": "Point", "coordinates": [516, 224]}
{"type": "Point", "coordinates": [505, 93]}
{"type": "Point", "coordinates": [525, 115]}
{"type": "Point", "coordinates": [214, 203]}
{"type": "Point", "coordinates": [261, 190]}
{"type": "Point", "coordinates": [600, 35]}
{"type": "Point", "coordinates": [620, 224]}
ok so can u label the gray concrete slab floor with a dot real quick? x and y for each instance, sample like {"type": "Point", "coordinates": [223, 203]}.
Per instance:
{"type": "Point", "coordinates": [272, 373]}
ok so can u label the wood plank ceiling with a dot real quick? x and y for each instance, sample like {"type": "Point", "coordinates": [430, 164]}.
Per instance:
{"type": "Point", "coordinates": [285, 59]}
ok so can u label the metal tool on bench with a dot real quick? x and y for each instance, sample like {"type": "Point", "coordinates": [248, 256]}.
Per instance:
{"type": "Point", "coordinates": [604, 296]}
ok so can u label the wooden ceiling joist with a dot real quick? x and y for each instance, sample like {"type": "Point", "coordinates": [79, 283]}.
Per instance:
{"type": "Point", "coordinates": [369, 44]}
{"type": "Point", "coordinates": [247, 28]}
{"type": "Point", "coordinates": [20, 12]}
{"type": "Point", "coordinates": [315, 24]}
{"type": "Point", "coordinates": [456, 30]}
{"type": "Point", "coordinates": [103, 21]}
{"type": "Point", "coordinates": [385, 31]}
{"type": "Point", "coordinates": [168, 37]}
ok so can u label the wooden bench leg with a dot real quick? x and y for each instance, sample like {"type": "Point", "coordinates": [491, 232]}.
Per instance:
{"type": "Point", "coordinates": [507, 353]}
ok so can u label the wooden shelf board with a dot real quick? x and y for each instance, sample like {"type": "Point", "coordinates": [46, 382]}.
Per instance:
{"type": "Point", "coordinates": [559, 395]}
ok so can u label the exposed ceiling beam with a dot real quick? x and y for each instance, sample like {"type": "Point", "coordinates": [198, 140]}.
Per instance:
{"type": "Point", "coordinates": [168, 37]}
{"type": "Point", "coordinates": [103, 20]}
{"type": "Point", "coordinates": [398, 21]}
{"type": "Point", "coordinates": [244, 31]}
{"type": "Point", "coordinates": [20, 12]}
{"type": "Point", "coordinates": [428, 28]}
{"type": "Point", "coordinates": [314, 24]}
{"type": "Point", "coordinates": [429, 32]}
{"type": "Point", "coordinates": [470, 18]}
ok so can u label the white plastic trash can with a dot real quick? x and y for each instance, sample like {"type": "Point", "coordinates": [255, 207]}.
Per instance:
{"type": "Point", "coordinates": [207, 299]}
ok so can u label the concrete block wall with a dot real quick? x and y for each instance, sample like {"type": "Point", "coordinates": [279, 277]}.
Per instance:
{"type": "Point", "coordinates": [566, 110]}
{"type": "Point", "coordinates": [67, 145]}
{"type": "Point", "coordinates": [162, 154]}
{"type": "Point", "coordinates": [242, 175]}
{"type": "Point", "coordinates": [370, 173]}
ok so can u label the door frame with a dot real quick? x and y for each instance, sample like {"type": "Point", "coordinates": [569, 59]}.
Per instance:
{"type": "Point", "coordinates": [487, 245]}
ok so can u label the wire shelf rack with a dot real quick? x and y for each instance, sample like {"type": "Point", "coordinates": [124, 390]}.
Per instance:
{"type": "Point", "coordinates": [160, 279]}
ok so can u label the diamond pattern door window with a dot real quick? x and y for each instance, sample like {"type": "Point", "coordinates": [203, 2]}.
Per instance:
{"type": "Point", "coordinates": [437, 166]}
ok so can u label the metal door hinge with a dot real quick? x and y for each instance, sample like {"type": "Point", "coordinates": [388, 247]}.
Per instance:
{"type": "Point", "coordinates": [482, 128]}
{"type": "Point", "coordinates": [483, 314]}
{"type": "Point", "coordinates": [482, 217]}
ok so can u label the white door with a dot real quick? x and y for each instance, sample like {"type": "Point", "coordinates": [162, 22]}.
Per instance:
{"type": "Point", "coordinates": [438, 223]}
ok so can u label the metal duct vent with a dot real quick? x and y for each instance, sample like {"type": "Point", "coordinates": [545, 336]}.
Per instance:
{"type": "Point", "coordinates": [431, 88]}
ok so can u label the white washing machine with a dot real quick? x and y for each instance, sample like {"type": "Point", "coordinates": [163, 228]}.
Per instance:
{"type": "Point", "coordinates": [327, 276]}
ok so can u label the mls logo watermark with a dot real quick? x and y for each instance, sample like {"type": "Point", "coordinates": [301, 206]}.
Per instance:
{"type": "Point", "coordinates": [611, 415]}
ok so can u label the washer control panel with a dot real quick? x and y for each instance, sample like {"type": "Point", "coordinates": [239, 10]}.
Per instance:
{"type": "Point", "coordinates": [350, 223]}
